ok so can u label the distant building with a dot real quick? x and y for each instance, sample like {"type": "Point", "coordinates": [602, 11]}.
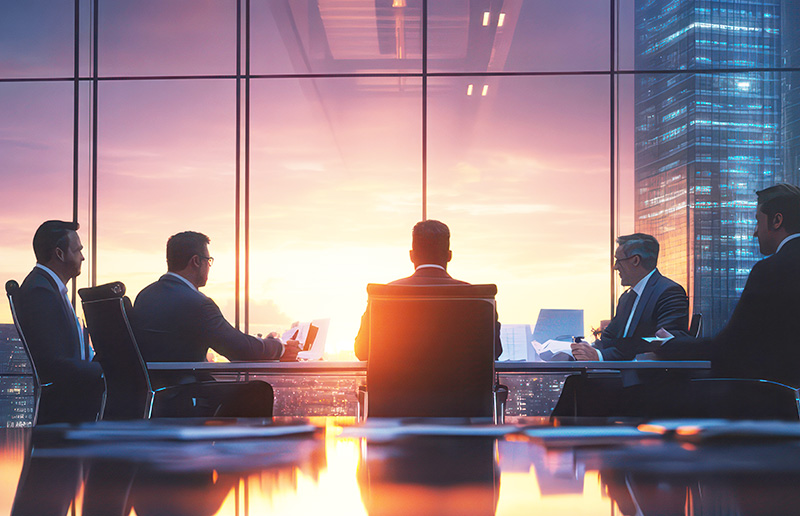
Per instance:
{"type": "Point", "coordinates": [16, 384]}
{"type": "Point", "coordinates": [705, 142]}
{"type": "Point", "coordinates": [790, 35]}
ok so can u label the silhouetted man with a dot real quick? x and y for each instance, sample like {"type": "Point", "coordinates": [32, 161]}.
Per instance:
{"type": "Point", "coordinates": [56, 338]}
{"type": "Point", "coordinates": [652, 302]}
{"type": "Point", "coordinates": [430, 253]}
{"type": "Point", "coordinates": [178, 323]}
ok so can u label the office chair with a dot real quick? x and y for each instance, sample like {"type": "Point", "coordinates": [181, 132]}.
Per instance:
{"type": "Point", "coordinates": [743, 398]}
{"type": "Point", "coordinates": [129, 392]}
{"type": "Point", "coordinates": [431, 351]}
{"type": "Point", "coordinates": [696, 325]}
{"type": "Point", "coordinates": [38, 388]}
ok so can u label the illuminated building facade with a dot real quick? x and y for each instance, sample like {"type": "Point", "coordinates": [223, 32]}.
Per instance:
{"type": "Point", "coordinates": [705, 141]}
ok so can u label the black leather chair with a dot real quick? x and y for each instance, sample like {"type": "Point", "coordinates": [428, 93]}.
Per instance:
{"type": "Point", "coordinates": [696, 325]}
{"type": "Point", "coordinates": [129, 392]}
{"type": "Point", "coordinates": [431, 351]}
{"type": "Point", "coordinates": [38, 388]}
{"type": "Point", "coordinates": [742, 398]}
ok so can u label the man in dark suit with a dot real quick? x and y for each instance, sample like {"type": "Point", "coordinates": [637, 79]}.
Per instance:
{"type": "Point", "coordinates": [760, 339]}
{"type": "Point", "coordinates": [430, 253]}
{"type": "Point", "coordinates": [56, 339]}
{"type": "Point", "coordinates": [178, 323]}
{"type": "Point", "coordinates": [652, 302]}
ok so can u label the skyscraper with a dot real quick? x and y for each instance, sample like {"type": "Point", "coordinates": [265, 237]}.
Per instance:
{"type": "Point", "coordinates": [705, 141]}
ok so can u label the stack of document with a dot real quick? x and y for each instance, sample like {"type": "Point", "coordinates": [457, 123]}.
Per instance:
{"type": "Point", "coordinates": [554, 350]}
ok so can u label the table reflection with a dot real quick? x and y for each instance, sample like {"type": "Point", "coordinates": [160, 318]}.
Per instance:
{"type": "Point", "coordinates": [430, 476]}
{"type": "Point", "coordinates": [329, 472]}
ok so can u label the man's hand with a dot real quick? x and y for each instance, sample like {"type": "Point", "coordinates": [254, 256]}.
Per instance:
{"type": "Point", "coordinates": [583, 351]}
{"type": "Point", "coordinates": [290, 350]}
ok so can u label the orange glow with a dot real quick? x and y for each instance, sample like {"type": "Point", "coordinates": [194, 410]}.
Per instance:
{"type": "Point", "coordinates": [656, 429]}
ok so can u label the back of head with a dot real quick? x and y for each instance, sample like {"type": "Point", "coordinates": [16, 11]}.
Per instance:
{"type": "Point", "coordinates": [182, 246]}
{"type": "Point", "coordinates": [52, 235]}
{"type": "Point", "coordinates": [643, 245]}
{"type": "Point", "coordinates": [430, 241]}
{"type": "Point", "coordinates": [782, 198]}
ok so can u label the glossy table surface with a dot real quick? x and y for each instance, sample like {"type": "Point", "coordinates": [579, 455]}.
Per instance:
{"type": "Point", "coordinates": [330, 466]}
{"type": "Point", "coordinates": [321, 366]}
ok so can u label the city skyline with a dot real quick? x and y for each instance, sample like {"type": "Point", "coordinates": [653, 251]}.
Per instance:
{"type": "Point", "coordinates": [518, 153]}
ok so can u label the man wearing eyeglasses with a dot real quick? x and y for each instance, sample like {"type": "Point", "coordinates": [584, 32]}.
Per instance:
{"type": "Point", "coordinates": [178, 323]}
{"type": "Point", "coordinates": [653, 302]}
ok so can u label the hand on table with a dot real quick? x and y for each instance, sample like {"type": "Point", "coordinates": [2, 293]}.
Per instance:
{"type": "Point", "coordinates": [290, 350]}
{"type": "Point", "coordinates": [583, 351]}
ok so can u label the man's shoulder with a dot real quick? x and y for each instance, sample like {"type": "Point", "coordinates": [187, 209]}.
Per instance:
{"type": "Point", "coordinates": [429, 276]}
{"type": "Point", "coordinates": [37, 279]}
{"type": "Point", "coordinates": [664, 284]}
{"type": "Point", "coordinates": [168, 287]}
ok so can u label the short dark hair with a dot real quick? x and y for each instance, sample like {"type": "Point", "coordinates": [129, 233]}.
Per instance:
{"type": "Point", "coordinates": [182, 247]}
{"type": "Point", "coordinates": [643, 245]}
{"type": "Point", "coordinates": [430, 240]}
{"type": "Point", "coordinates": [782, 198]}
{"type": "Point", "coordinates": [52, 235]}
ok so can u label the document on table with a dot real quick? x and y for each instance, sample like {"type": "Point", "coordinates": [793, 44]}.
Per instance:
{"type": "Point", "coordinates": [170, 432]}
{"type": "Point", "coordinates": [554, 350]}
{"type": "Point", "coordinates": [587, 435]}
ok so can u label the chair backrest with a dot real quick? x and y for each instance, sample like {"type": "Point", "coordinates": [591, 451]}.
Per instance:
{"type": "Point", "coordinates": [431, 350]}
{"type": "Point", "coordinates": [108, 314]}
{"type": "Point", "coordinates": [696, 325]}
{"type": "Point", "coordinates": [12, 287]}
{"type": "Point", "coordinates": [744, 398]}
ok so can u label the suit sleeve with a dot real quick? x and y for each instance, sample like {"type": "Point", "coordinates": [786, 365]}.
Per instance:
{"type": "Point", "coordinates": [672, 311]}
{"type": "Point", "coordinates": [738, 329]}
{"type": "Point", "coordinates": [230, 342]}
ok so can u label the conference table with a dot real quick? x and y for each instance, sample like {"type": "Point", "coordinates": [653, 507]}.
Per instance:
{"type": "Point", "coordinates": [331, 466]}
{"type": "Point", "coordinates": [323, 367]}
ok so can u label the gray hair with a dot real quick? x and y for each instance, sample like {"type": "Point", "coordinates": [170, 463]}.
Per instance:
{"type": "Point", "coordinates": [643, 245]}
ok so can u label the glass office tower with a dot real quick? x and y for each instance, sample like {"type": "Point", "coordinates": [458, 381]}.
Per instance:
{"type": "Point", "coordinates": [706, 141]}
{"type": "Point", "coordinates": [790, 36]}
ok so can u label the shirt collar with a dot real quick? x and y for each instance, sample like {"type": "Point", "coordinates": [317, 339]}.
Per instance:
{"type": "Point", "coordinates": [429, 266]}
{"type": "Point", "coordinates": [183, 280]}
{"type": "Point", "coordinates": [642, 282]}
{"type": "Point", "coordinates": [790, 237]}
{"type": "Point", "coordinates": [60, 284]}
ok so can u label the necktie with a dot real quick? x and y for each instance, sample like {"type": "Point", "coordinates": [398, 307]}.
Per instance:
{"type": "Point", "coordinates": [79, 328]}
{"type": "Point", "coordinates": [629, 302]}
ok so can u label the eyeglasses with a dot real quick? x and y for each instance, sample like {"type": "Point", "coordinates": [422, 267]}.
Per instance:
{"type": "Point", "coordinates": [617, 260]}
{"type": "Point", "coordinates": [209, 258]}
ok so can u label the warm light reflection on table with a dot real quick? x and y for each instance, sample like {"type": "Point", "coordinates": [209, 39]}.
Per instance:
{"type": "Point", "coordinates": [343, 475]}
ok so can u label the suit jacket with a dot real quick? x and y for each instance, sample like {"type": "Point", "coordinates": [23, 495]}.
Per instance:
{"type": "Point", "coordinates": [663, 304]}
{"type": "Point", "coordinates": [51, 333]}
{"type": "Point", "coordinates": [421, 277]}
{"type": "Point", "coordinates": [178, 324]}
{"type": "Point", "coordinates": [761, 339]}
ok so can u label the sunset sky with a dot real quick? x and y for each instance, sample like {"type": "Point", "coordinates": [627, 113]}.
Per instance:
{"type": "Point", "coordinates": [521, 175]}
